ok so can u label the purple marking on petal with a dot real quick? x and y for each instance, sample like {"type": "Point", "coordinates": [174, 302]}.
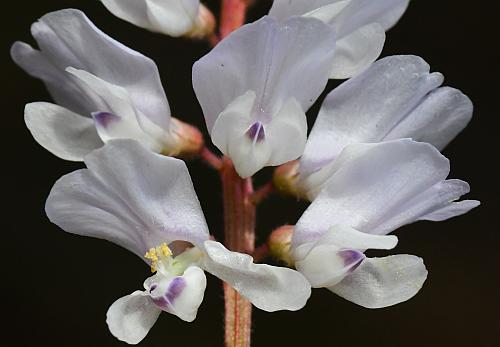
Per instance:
{"type": "Point", "coordinates": [352, 258]}
{"type": "Point", "coordinates": [153, 287]}
{"type": "Point", "coordinates": [175, 289]}
{"type": "Point", "coordinates": [256, 132]}
{"type": "Point", "coordinates": [104, 119]}
{"type": "Point", "coordinates": [161, 302]}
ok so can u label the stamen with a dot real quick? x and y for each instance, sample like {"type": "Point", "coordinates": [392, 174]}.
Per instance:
{"type": "Point", "coordinates": [157, 254]}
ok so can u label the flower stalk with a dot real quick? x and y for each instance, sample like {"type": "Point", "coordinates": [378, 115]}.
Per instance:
{"type": "Point", "coordinates": [211, 159]}
{"type": "Point", "coordinates": [239, 231]}
{"type": "Point", "coordinates": [233, 16]}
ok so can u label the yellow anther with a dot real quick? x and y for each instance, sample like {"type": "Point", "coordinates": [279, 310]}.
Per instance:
{"type": "Point", "coordinates": [165, 250]}
{"type": "Point", "coordinates": [156, 254]}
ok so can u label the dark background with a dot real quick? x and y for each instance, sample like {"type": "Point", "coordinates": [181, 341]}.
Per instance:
{"type": "Point", "coordinates": [57, 287]}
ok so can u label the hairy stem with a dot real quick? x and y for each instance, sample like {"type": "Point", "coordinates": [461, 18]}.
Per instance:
{"type": "Point", "coordinates": [239, 231]}
{"type": "Point", "coordinates": [239, 209]}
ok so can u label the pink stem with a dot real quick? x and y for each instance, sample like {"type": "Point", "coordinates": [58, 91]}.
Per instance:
{"type": "Point", "coordinates": [239, 231]}
{"type": "Point", "coordinates": [239, 208]}
{"type": "Point", "coordinates": [211, 158]}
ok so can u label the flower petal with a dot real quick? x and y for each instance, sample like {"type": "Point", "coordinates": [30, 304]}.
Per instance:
{"type": "Point", "coordinates": [231, 135]}
{"type": "Point", "coordinates": [129, 196]}
{"type": "Point", "coordinates": [367, 107]}
{"type": "Point", "coordinates": [382, 282]}
{"type": "Point", "coordinates": [376, 188]}
{"type": "Point", "coordinates": [451, 210]}
{"type": "Point", "coordinates": [360, 26]}
{"type": "Point", "coordinates": [326, 265]}
{"type": "Point", "coordinates": [180, 295]}
{"type": "Point", "coordinates": [62, 132]}
{"type": "Point", "coordinates": [130, 318]}
{"type": "Point", "coordinates": [132, 11]}
{"type": "Point", "coordinates": [356, 51]}
{"type": "Point", "coordinates": [328, 259]}
{"type": "Point", "coordinates": [436, 203]}
{"type": "Point", "coordinates": [359, 13]}
{"type": "Point", "coordinates": [252, 145]}
{"type": "Point", "coordinates": [326, 13]}
{"type": "Point", "coordinates": [68, 38]}
{"type": "Point", "coordinates": [117, 118]}
{"type": "Point", "coordinates": [273, 59]}
{"type": "Point", "coordinates": [285, 8]}
{"type": "Point", "coordinates": [346, 237]}
{"type": "Point", "coordinates": [269, 288]}
{"type": "Point", "coordinates": [62, 89]}
{"type": "Point", "coordinates": [438, 118]}
{"type": "Point", "coordinates": [171, 17]}
{"type": "Point", "coordinates": [346, 16]}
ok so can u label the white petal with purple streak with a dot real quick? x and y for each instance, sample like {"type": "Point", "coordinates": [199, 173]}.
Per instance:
{"type": "Point", "coordinates": [254, 144]}
{"type": "Point", "coordinates": [179, 295]}
{"type": "Point", "coordinates": [273, 59]}
{"type": "Point", "coordinates": [68, 38]}
{"type": "Point", "coordinates": [338, 252]}
{"type": "Point", "coordinates": [117, 117]}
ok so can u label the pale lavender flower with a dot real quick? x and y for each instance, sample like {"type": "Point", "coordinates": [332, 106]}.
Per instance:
{"type": "Point", "coordinates": [373, 190]}
{"type": "Point", "coordinates": [145, 202]}
{"type": "Point", "coordinates": [103, 89]}
{"type": "Point", "coordinates": [395, 98]}
{"type": "Point", "coordinates": [255, 86]}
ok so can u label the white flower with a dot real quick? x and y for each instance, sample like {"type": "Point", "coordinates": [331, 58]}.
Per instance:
{"type": "Point", "coordinates": [374, 189]}
{"type": "Point", "coordinates": [360, 27]}
{"type": "Point", "coordinates": [395, 98]}
{"type": "Point", "coordinates": [256, 84]}
{"type": "Point", "coordinates": [145, 202]}
{"type": "Point", "coordinates": [103, 89]}
{"type": "Point", "coordinates": [170, 17]}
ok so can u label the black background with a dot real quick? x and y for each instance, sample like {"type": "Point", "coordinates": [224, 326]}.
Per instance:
{"type": "Point", "coordinates": [57, 287]}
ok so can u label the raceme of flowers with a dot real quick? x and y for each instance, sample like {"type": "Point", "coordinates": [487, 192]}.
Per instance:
{"type": "Point", "coordinates": [370, 164]}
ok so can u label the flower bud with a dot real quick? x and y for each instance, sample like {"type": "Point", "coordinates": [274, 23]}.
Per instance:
{"type": "Point", "coordinates": [204, 24]}
{"type": "Point", "coordinates": [286, 179]}
{"type": "Point", "coordinates": [187, 141]}
{"type": "Point", "coordinates": [279, 243]}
